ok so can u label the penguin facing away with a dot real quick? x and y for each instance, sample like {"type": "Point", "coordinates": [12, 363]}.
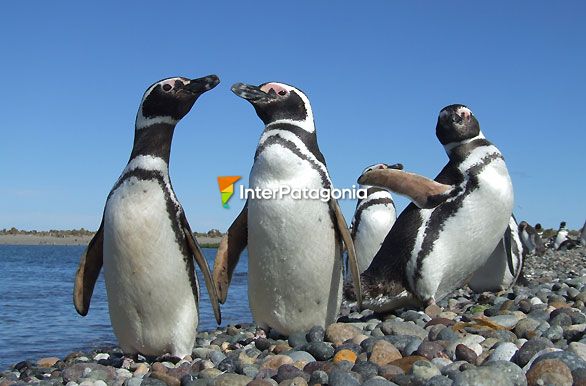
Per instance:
{"type": "Point", "coordinates": [373, 219]}
{"type": "Point", "coordinates": [452, 225]}
{"type": "Point", "coordinates": [144, 242]}
{"type": "Point", "coordinates": [504, 266]}
{"type": "Point", "coordinates": [294, 245]}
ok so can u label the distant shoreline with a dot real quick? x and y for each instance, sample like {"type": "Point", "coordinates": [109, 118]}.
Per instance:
{"type": "Point", "coordinates": [35, 239]}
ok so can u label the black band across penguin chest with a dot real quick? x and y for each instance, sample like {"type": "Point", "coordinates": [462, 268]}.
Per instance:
{"type": "Point", "coordinates": [441, 214]}
{"type": "Point", "coordinates": [173, 209]}
{"type": "Point", "coordinates": [307, 138]}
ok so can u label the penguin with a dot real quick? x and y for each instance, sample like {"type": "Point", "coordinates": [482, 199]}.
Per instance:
{"type": "Point", "coordinates": [144, 242]}
{"type": "Point", "coordinates": [295, 245]}
{"type": "Point", "coordinates": [583, 234]}
{"type": "Point", "coordinates": [504, 265]}
{"type": "Point", "coordinates": [539, 229]}
{"type": "Point", "coordinates": [532, 242]}
{"type": "Point", "coordinates": [373, 219]}
{"type": "Point", "coordinates": [561, 236]}
{"type": "Point", "coordinates": [452, 225]}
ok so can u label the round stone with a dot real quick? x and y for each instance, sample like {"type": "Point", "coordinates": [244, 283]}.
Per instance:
{"type": "Point", "coordinates": [321, 351]}
{"type": "Point", "coordinates": [366, 369]}
{"type": "Point", "coordinates": [289, 372]}
{"type": "Point", "coordinates": [338, 333]}
{"type": "Point", "coordinates": [383, 353]}
{"type": "Point", "coordinates": [463, 353]}
{"type": "Point", "coordinates": [424, 370]}
{"type": "Point", "coordinates": [262, 344]}
{"type": "Point", "coordinates": [316, 334]}
{"type": "Point", "coordinates": [549, 372]}
{"type": "Point", "coordinates": [503, 352]}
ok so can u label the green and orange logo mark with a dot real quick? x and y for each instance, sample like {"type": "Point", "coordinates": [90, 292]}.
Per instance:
{"type": "Point", "coordinates": [226, 184]}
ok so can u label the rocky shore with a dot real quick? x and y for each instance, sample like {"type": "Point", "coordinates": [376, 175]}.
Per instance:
{"type": "Point", "coordinates": [64, 239]}
{"type": "Point", "coordinates": [531, 334]}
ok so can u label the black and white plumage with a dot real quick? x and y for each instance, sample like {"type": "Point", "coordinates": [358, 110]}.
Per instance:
{"type": "Point", "coordinates": [373, 219]}
{"type": "Point", "coordinates": [453, 223]}
{"type": "Point", "coordinates": [144, 242]}
{"type": "Point", "coordinates": [504, 265]}
{"type": "Point", "coordinates": [294, 245]}
{"type": "Point", "coordinates": [583, 234]}
{"type": "Point", "coordinates": [561, 235]}
{"type": "Point", "coordinates": [532, 242]}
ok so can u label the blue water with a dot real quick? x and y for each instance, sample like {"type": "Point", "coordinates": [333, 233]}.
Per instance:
{"type": "Point", "coordinates": [37, 317]}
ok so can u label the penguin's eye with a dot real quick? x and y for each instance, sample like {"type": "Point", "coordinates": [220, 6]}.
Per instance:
{"type": "Point", "coordinates": [167, 87]}
{"type": "Point", "coordinates": [283, 92]}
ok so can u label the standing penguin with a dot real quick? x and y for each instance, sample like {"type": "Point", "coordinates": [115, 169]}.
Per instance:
{"type": "Point", "coordinates": [532, 243]}
{"type": "Point", "coordinates": [583, 235]}
{"type": "Point", "coordinates": [294, 244]}
{"type": "Point", "coordinates": [561, 236]}
{"type": "Point", "coordinates": [453, 223]}
{"type": "Point", "coordinates": [373, 219]}
{"type": "Point", "coordinates": [504, 265]}
{"type": "Point", "coordinates": [144, 241]}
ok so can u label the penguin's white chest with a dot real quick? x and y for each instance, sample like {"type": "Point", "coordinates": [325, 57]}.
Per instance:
{"type": "Point", "coordinates": [466, 237]}
{"type": "Point", "coordinates": [560, 238]}
{"type": "Point", "coordinates": [375, 223]}
{"type": "Point", "coordinates": [295, 270]}
{"type": "Point", "coordinates": [150, 297]}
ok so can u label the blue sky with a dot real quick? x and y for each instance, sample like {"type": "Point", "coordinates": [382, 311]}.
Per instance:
{"type": "Point", "coordinates": [377, 74]}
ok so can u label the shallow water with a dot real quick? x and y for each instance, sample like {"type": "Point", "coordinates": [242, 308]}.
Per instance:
{"type": "Point", "coordinates": [37, 317]}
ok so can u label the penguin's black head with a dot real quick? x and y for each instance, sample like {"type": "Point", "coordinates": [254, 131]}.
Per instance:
{"type": "Point", "coordinates": [538, 227]}
{"type": "Point", "coordinates": [169, 100]}
{"type": "Point", "coordinates": [456, 123]}
{"type": "Point", "coordinates": [562, 224]}
{"type": "Point", "coordinates": [276, 101]}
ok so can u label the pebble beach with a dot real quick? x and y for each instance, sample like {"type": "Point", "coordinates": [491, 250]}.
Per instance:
{"type": "Point", "coordinates": [531, 334]}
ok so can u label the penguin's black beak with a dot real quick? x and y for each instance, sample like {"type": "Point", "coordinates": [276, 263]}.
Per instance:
{"type": "Point", "coordinates": [253, 94]}
{"type": "Point", "coordinates": [201, 85]}
{"type": "Point", "coordinates": [397, 166]}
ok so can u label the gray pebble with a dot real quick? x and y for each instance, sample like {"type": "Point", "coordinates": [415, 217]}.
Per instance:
{"type": "Point", "coordinates": [439, 380]}
{"type": "Point", "coordinates": [303, 356]}
{"type": "Point", "coordinates": [297, 339]}
{"type": "Point", "coordinates": [216, 357]}
{"type": "Point", "coordinates": [554, 333]}
{"type": "Point", "coordinates": [424, 370]}
{"type": "Point", "coordinates": [321, 351]}
{"type": "Point", "coordinates": [396, 327]}
{"type": "Point", "coordinates": [366, 369]}
{"type": "Point", "coordinates": [250, 371]}
{"type": "Point", "coordinates": [316, 334]}
{"type": "Point", "coordinates": [572, 360]}
{"type": "Point", "coordinates": [342, 378]}
{"type": "Point", "coordinates": [529, 349]}
{"type": "Point", "coordinates": [319, 377]}
{"type": "Point", "coordinates": [378, 381]}
{"type": "Point", "coordinates": [503, 352]}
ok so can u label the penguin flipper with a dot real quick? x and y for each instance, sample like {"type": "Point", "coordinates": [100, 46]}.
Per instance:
{"type": "Point", "coordinates": [340, 224]}
{"type": "Point", "coordinates": [203, 265]}
{"type": "Point", "coordinates": [88, 271]}
{"type": "Point", "coordinates": [424, 192]}
{"type": "Point", "coordinates": [231, 246]}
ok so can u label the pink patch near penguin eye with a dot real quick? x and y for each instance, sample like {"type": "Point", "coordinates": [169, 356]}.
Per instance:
{"type": "Point", "coordinates": [275, 87]}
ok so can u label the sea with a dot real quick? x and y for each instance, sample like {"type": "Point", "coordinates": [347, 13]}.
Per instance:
{"type": "Point", "coordinates": [37, 317]}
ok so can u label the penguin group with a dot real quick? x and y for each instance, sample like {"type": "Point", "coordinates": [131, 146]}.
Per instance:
{"type": "Point", "coordinates": [458, 230]}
